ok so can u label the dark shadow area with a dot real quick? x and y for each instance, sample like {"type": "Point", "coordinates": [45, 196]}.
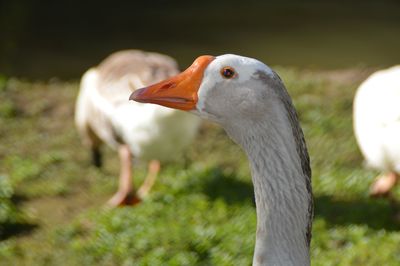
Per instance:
{"type": "Point", "coordinates": [18, 199]}
{"type": "Point", "coordinates": [219, 185]}
{"type": "Point", "coordinates": [17, 224]}
{"type": "Point", "coordinates": [8, 230]}
{"type": "Point", "coordinates": [375, 213]}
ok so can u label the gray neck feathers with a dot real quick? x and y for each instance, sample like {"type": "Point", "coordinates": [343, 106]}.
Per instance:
{"type": "Point", "coordinates": [282, 200]}
{"type": "Point", "coordinates": [281, 176]}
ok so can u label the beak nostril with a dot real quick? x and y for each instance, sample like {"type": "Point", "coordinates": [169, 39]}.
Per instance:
{"type": "Point", "coordinates": [168, 85]}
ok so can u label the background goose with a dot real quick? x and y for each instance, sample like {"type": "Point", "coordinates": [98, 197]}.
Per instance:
{"type": "Point", "coordinates": [377, 126]}
{"type": "Point", "coordinates": [149, 132]}
{"type": "Point", "coordinates": [251, 103]}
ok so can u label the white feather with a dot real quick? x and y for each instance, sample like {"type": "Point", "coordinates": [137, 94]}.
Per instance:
{"type": "Point", "coordinates": [377, 119]}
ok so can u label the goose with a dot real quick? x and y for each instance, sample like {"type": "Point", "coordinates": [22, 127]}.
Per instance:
{"type": "Point", "coordinates": [150, 133]}
{"type": "Point", "coordinates": [376, 119]}
{"type": "Point", "coordinates": [249, 100]}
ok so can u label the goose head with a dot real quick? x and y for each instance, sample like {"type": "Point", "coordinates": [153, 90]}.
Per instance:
{"type": "Point", "coordinates": [230, 90]}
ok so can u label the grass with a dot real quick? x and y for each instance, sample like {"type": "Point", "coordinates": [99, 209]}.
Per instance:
{"type": "Point", "coordinates": [201, 211]}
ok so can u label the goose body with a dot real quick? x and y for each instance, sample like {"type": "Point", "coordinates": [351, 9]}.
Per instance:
{"type": "Point", "coordinates": [377, 125]}
{"type": "Point", "coordinates": [148, 132]}
{"type": "Point", "coordinates": [248, 99]}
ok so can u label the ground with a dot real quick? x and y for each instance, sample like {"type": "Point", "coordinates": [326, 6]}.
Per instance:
{"type": "Point", "coordinates": [201, 211]}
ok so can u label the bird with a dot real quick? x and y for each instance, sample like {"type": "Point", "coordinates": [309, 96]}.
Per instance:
{"type": "Point", "coordinates": [376, 122]}
{"type": "Point", "coordinates": [249, 100]}
{"type": "Point", "coordinates": [150, 133]}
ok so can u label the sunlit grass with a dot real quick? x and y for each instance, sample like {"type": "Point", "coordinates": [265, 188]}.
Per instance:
{"type": "Point", "coordinates": [201, 211]}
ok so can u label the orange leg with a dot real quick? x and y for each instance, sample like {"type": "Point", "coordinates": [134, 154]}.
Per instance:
{"type": "Point", "coordinates": [124, 194]}
{"type": "Point", "coordinates": [154, 168]}
{"type": "Point", "coordinates": [383, 184]}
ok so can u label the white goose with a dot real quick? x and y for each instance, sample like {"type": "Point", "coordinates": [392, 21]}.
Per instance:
{"type": "Point", "coordinates": [377, 126]}
{"type": "Point", "coordinates": [148, 132]}
{"type": "Point", "coordinates": [251, 103]}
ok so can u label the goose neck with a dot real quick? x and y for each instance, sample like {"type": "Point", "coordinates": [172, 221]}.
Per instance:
{"type": "Point", "coordinates": [283, 198]}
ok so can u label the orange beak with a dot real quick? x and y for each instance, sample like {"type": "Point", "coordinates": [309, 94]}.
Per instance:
{"type": "Point", "coordinates": [180, 91]}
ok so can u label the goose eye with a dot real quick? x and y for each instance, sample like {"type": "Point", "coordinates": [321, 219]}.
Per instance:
{"type": "Point", "coordinates": [228, 72]}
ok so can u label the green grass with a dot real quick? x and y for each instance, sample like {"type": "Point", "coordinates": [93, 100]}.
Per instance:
{"type": "Point", "coordinates": [201, 210]}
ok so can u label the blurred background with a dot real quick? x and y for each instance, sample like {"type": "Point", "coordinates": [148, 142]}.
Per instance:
{"type": "Point", "coordinates": [201, 210]}
{"type": "Point", "coordinates": [41, 39]}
